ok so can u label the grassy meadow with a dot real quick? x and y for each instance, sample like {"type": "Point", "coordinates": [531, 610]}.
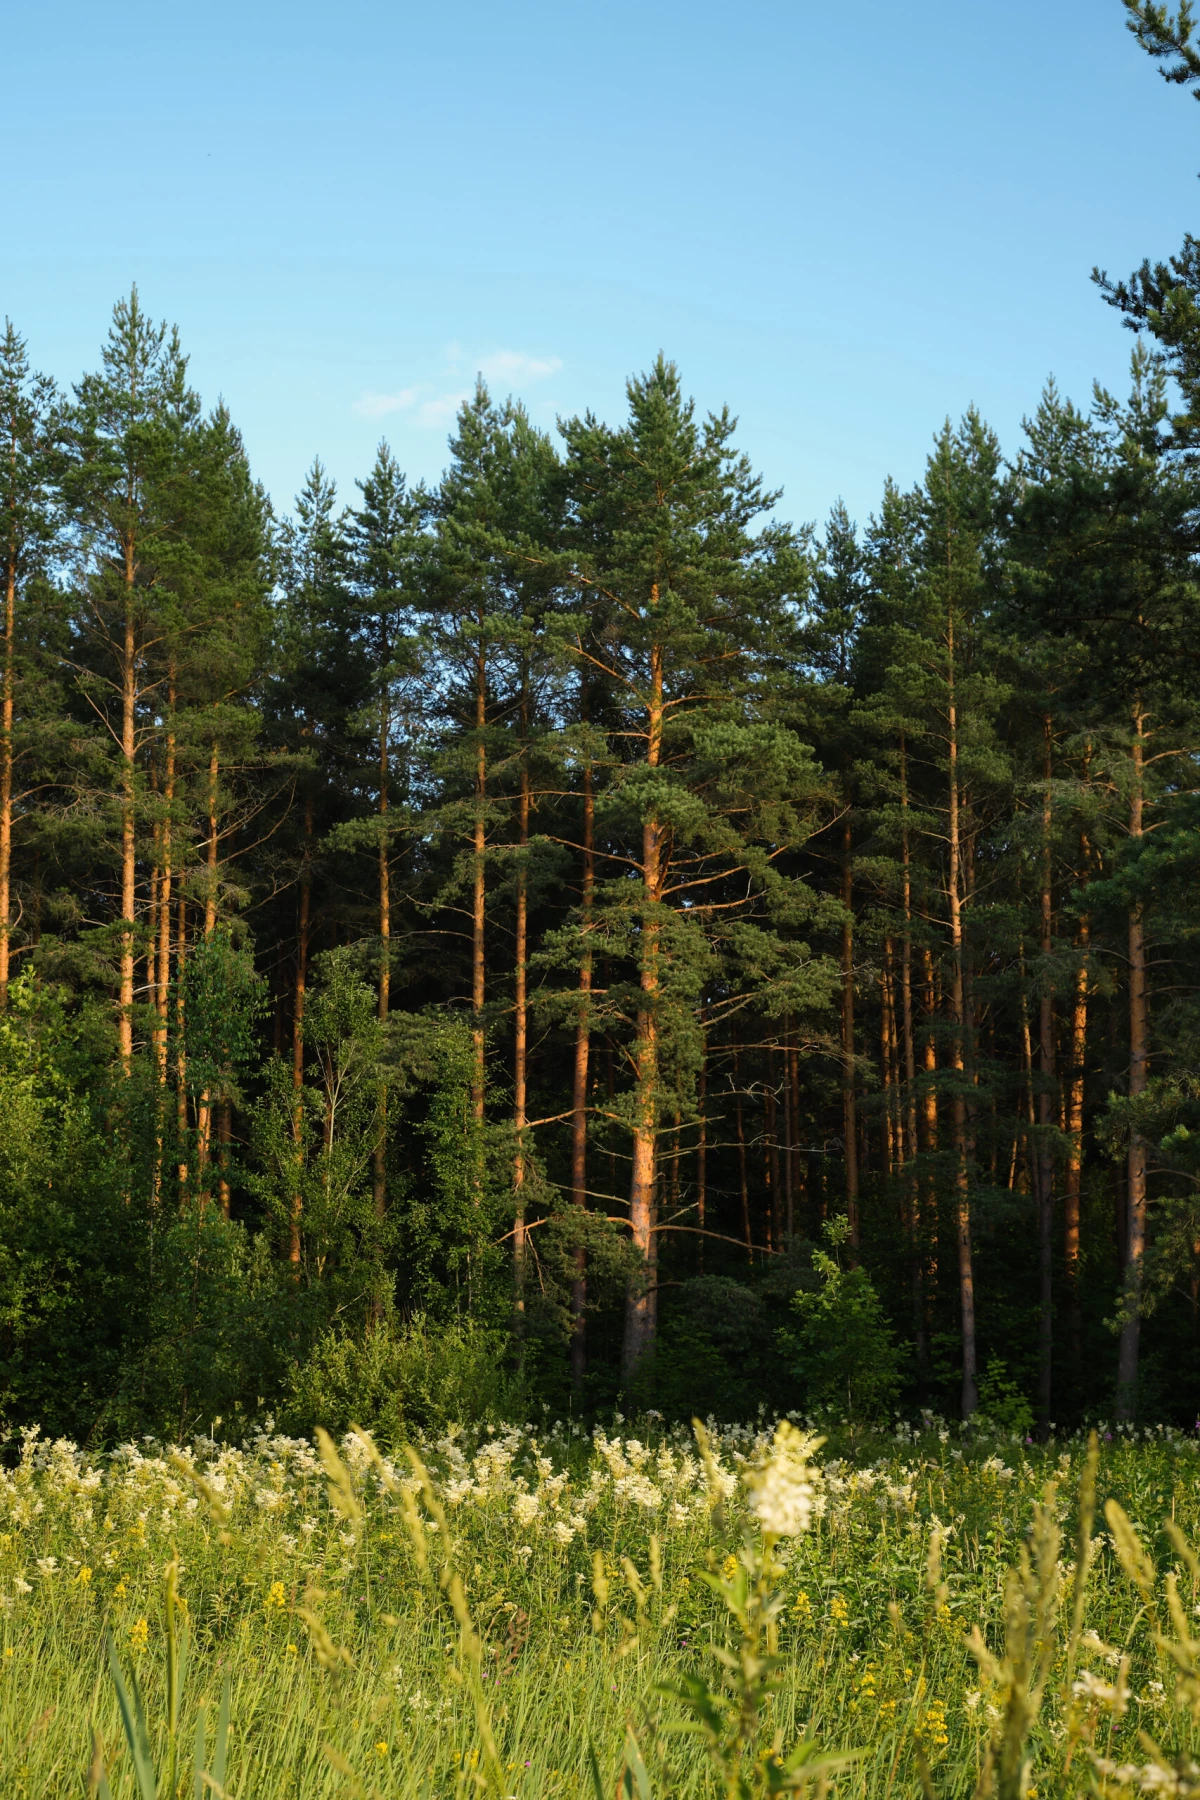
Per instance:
{"type": "Point", "coordinates": [503, 1611]}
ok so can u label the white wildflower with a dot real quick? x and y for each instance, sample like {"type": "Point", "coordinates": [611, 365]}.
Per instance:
{"type": "Point", "coordinates": [781, 1489]}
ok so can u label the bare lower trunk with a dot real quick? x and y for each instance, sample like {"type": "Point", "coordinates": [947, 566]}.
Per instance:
{"type": "Point", "coordinates": [743, 1184]}
{"type": "Point", "coordinates": [1073, 1174]}
{"type": "Point", "coordinates": [583, 1030]}
{"type": "Point", "coordinates": [849, 1108]}
{"type": "Point", "coordinates": [1135, 1204]}
{"type": "Point", "coordinates": [520, 1044]}
{"type": "Point", "coordinates": [917, 1270]}
{"type": "Point", "coordinates": [181, 1100]}
{"type": "Point", "coordinates": [702, 1141]}
{"type": "Point", "coordinates": [479, 896]}
{"type": "Point", "coordinates": [128, 823]}
{"type": "Point", "coordinates": [204, 1112]}
{"type": "Point", "coordinates": [962, 1173]}
{"type": "Point", "coordinates": [379, 1155]}
{"type": "Point", "coordinates": [298, 999]}
{"type": "Point", "coordinates": [6, 768]}
{"type": "Point", "coordinates": [1046, 1110]}
{"type": "Point", "coordinates": [641, 1297]}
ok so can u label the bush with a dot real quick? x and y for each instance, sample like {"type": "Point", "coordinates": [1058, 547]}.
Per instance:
{"type": "Point", "coordinates": [396, 1380]}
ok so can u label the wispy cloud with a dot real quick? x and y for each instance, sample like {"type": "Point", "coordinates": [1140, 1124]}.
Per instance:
{"type": "Point", "coordinates": [516, 365]}
{"type": "Point", "coordinates": [375, 406]}
{"type": "Point", "coordinates": [442, 408]}
{"type": "Point", "coordinates": [437, 409]}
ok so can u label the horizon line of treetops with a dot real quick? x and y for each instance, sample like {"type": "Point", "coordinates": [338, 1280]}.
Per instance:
{"type": "Point", "coordinates": [554, 895]}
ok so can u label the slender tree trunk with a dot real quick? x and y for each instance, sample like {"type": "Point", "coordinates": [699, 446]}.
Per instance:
{"type": "Point", "coordinates": [479, 895]}
{"type": "Point", "coordinates": [789, 1135]}
{"type": "Point", "coordinates": [702, 1139]}
{"type": "Point", "coordinates": [849, 1112]}
{"type": "Point", "coordinates": [128, 817]}
{"type": "Point", "coordinates": [917, 1270]}
{"type": "Point", "coordinates": [962, 1175]}
{"type": "Point", "coordinates": [1073, 1175]}
{"type": "Point", "coordinates": [298, 997]}
{"type": "Point", "coordinates": [641, 1301]}
{"type": "Point", "coordinates": [1127, 1360]}
{"type": "Point", "coordinates": [1046, 1104]}
{"type": "Point", "coordinates": [181, 1092]}
{"type": "Point", "coordinates": [6, 764]}
{"type": "Point", "coordinates": [163, 983]}
{"type": "Point", "coordinates": [743, 1184]}
{"type": "Point", "coordinates": [205, 1109]}
{"type": "Point", "coordinates": [521, 1038]}
{"type": "Point", "coordinates": [579, 1091]}
{"type": "Point", "coordinates": [379, 1154]}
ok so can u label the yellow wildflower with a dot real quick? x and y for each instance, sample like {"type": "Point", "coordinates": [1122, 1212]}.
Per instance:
{"type": "Point", "coordinates": [803, 1607]}
{"type": "Point", "coordinates": [276, 1598]}
{"type": "Point", "coordinates": [84, 1576]}
{"type": "Point", "coordinates": [291, 1650]}
{"type": "Point", "coordinates": [839, 1612]}
{"type": "Point", "coordinates": [139, 1637]}
{"type": "Point", "coordinates": [120, 1591]}
{"type": "Point", "coordinates": [381, 1748]}
{"type": "Point", "coordinates": [729, 1567]}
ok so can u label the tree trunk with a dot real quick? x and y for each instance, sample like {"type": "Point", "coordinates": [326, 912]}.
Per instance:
{"type": "Point", "coordinates": [917, 1270]}
{"type": "Point", "coordinates": [849, 1114]}
{"type": "Point", "coordinates": [479, 895]}
{"type": "Point", "coordinates": [1073, 1180]}
{"type": "Point", "coordinates": [181, 1103]}
{"type": "Point", "coordinates": [128, 819]}
{"type": "Point", "coordinates": [743, 1185]}
{"type": "Point", "coordinates": [702, 1140]}
{"type": "Point", "coordinates": [641, 1297]}
{"type": "Point", "coordinates": [583, 1039]}
{"type": "Point", "coordinates": [1046, 1106]}
{"type": "Point", "coordinates": [6, 765]}
{"type": "Point", "coordinates": [205, 1110]}
{"type": "Point", "coordinates": [1135, 1204]}
{"type": "Point", "coordinates": [379, 1154]}
{"type": "Point", "coordinates": [298, 997]}
{"type": "Point", "coordinates": [520, 1038]}
{"type": "Point", "coordinates": [962, 1175]}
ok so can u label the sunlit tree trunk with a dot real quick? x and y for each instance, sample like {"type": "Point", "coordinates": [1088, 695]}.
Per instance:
{"type": "Point", "coordinates": [1045, 1196]}
{"type": "Point", "coordinates": [962, 1175]}
{"type": "Point", "coordinates": [849, 1105]}
{"type": "Point", "coordinates": [579, 1090]}
{"type": "Point", "coordinates": [521, 1028]}
{"type": "Point", "coordinates": [641, 1298]}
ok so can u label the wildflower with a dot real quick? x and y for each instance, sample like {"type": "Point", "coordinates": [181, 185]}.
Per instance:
{"type": "Point", "coordinates": [381, 1748]}
{"type": "Point", "coordinates": [291, 1650]}
{"type": "Point", "coordinates": [781, 1490]}
{"type": "Point", "coordinates": [21, 1585]}
{"type": "Point", "coordinates": [803, 1608]}
{"type": "Point", "coordinates": [84, 1576]}
{"type": "Point", "coordinates": [275, 1597]}
{"type": "Point", "coordinates": [729, 1567]}
{"type": "Point", "coordinates": [120, 1591]}
{"type": "Point", "coordinates": [9, 1651]}
{"type": "Point", "coordinates": [139, 1637]}
{"type": "Point", "coordinates": [47, 1565]}
{"type": "Point", "coordinates": [839, 1612]}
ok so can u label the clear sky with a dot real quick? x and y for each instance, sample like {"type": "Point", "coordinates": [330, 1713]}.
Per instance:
{"type": "Point", "coordinates": [847, 218]}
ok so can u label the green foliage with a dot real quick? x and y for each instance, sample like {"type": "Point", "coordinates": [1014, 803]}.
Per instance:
{"type": "Point", "coordinates": [843, 1351]}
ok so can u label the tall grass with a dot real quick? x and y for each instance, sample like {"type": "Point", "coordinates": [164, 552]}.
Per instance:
{"type": "Point", "coordinates": [541, 1612]}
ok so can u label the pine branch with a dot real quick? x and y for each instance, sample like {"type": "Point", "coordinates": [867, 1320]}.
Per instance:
{"type": "Point", "coordinates": [1164, 35]}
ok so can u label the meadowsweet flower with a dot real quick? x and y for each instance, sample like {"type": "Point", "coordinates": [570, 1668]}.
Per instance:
{"type": "Point", "coordinates": [781, 1489]}
{"type": "Point", "coordinates": [47, 1565]}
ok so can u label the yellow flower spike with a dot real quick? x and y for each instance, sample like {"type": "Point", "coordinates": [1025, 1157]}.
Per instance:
{"type": "Point", "coordinates": [139, 1637]}
{"type": "Point", "coordinates": [120, 1591]}
{"type": "Point", "coordinates": [276, 1597]}
{"type": "Point", "coordinates": [84, 1576]}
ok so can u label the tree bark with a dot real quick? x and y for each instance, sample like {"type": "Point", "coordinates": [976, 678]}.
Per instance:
{"type": "Point", "coordinates": [379, 1154]}
{"type": "Point", "coordinates": [479, 891]}
{"type": "Point", "coordinates": [849, 1109]}
{"type": "Point", "coordinates": [6, 762]}
{"type": "Point", "coordinates": [641, 1298]}
{"type": "Point", "coordinates": [1135, 1203]}
{"type": "Point", "coordinates": [962, 1175]}
{"type": "Point", "coordinates": [1046, 1103]}
{"type": "Point", "coordinates": [1073, 1175]}
{"type": "Point", "coordinates": [128, 816]}
{"type": "Point", "coordinates": [917, 1270]}
{"type": "Point", "coordinates": [298, 998]}
{"type": "Point", "coordinates": [521, 1036]}
{"type": "Point", "coordinates": [579, 1090]}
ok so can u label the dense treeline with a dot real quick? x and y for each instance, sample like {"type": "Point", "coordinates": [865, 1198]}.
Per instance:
{"type": "Point", "coordinates": [568, 931]}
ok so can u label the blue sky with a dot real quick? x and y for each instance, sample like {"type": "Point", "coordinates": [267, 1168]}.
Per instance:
{"type": "Point", "coordinates": [846, 219]}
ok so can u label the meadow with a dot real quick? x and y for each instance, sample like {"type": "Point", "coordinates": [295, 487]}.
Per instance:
{"type": "Point", "coordinates": [631, 1610]}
